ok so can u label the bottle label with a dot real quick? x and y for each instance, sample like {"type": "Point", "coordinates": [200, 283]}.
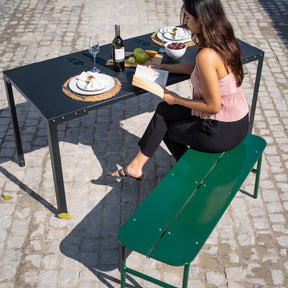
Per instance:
{"type": "Point", "coordinates": [119, 54]}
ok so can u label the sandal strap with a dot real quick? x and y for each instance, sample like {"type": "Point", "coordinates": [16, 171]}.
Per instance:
{"type": "Point", "coordinates": [123, 172]}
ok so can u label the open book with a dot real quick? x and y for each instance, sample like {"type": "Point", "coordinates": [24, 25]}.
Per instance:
{"type": "Point", "coordinates": [150, 79]}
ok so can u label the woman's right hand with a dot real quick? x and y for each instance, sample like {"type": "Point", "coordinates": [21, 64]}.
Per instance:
{"type": "Point", "coordinates": [170, 97]}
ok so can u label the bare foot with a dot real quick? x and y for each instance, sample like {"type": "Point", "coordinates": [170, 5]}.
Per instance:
{"type": "Point", "coordinates": [123, 172]}
{"type": "Point", "coordinates": [133, 172]}
{"type": "Point", "coordinates": [134, 169]}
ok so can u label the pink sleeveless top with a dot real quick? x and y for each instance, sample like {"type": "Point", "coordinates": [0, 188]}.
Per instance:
{"type": "Point", "coordinates": [233, 104]}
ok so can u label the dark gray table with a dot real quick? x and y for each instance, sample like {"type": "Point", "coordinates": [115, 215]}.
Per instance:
{"type": "Point", "coordinates": [43, 95]}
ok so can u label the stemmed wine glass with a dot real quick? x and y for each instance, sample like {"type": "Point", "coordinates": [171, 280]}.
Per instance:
{"type": "Point", "coordinates": [162, 30]}
{"type": "Point", "coordinates": [94, 48]}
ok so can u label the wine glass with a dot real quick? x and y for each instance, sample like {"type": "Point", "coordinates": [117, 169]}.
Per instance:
{"type": "Point", "coordinates": [162, 30]}
{"type": "Point", "coordinates": [94, 48]}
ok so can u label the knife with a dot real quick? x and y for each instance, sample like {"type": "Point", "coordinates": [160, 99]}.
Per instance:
{"type": "Point", "coordinates": [68, 89]}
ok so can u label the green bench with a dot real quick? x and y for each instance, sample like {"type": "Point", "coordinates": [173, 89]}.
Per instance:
{"type": "Point", "coordinates": [175, 220]}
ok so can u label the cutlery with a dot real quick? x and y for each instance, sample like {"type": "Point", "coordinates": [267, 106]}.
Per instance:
{"type": "Point", "coordinates": [68, 89]}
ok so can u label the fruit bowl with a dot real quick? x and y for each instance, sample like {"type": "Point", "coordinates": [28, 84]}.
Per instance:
{"type": "Point", "coordinates": [175, 50]}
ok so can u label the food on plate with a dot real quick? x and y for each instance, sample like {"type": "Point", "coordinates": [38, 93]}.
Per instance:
{"type": "Point", "coordinates": [89, 78]}
{"type": "Point", "coordinates": [151, 53]}
{"type": "Point", "coordinates": [174, 30]}
{"type": "Point", "coordinates": [90, 81]}
{"type": "Point", "coordinates": [176, 46]}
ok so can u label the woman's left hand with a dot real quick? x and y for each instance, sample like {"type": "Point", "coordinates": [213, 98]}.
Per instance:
{"type": "Point", "coordinates": [170, 97]}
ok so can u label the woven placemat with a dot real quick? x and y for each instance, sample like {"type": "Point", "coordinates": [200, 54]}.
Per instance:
{"type": "Point", "coordinates": [92, 98]}
{"type": "Point", "coordinates": [156, 40]}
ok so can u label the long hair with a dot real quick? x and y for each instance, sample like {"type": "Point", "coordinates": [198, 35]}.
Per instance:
{"type": "Point", "coordinates": [216, 32]}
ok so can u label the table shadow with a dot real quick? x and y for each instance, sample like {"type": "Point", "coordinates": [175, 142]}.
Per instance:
{"type": "Point", "coordinates": [93, 242]}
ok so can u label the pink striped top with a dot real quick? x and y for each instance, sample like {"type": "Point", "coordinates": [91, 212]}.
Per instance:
{"type": "Point", "coordinates": [233, 105]}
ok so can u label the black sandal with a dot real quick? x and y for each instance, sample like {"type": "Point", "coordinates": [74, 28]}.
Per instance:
{"type": "Point", "coordinates": [123, 173]}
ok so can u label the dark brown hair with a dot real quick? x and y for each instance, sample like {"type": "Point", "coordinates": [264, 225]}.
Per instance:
{"type": "Point", "coordinates": [216, 33]}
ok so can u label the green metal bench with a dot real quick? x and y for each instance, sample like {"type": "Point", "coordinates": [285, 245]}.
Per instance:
{"type": "Point", "coordinates": [175, 220]}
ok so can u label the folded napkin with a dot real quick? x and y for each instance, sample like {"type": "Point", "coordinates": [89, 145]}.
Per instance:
{"type": "Point", "coordinates": [91, 81]}
{"type": "Point", "coordinates": [181, 34]}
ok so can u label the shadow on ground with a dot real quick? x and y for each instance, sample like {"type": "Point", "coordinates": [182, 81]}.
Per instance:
{"type": "Point", "coordinates": [93, 242]}
{"type": "Point", "coordinates": [278, 13]}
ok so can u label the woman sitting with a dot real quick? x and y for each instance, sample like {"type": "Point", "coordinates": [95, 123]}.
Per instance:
{"type": "Point", "coordinates": [216, 118]}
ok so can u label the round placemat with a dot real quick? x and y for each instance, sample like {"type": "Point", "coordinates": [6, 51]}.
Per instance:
{"type": "Point", "coordinates": [156, 40]}
{"type": "Point", "coordinates": [92, 98]}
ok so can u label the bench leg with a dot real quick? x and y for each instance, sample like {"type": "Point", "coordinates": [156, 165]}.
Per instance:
{"type": "Point", "coordinates": [123, 266]}
{"type": "Point", "coordinates": [186, 275]}
{"type": "Point", "coordinates": [257, 171]}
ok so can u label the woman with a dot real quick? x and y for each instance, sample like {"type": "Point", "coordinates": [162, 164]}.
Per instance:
{"type": "Point", "coordinates": [216, 119]}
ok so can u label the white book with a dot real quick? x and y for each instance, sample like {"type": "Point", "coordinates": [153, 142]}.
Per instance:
{"type": "Point", "coordinates": [150, 79]}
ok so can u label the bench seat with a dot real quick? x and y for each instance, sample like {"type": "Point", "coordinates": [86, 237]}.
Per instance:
{"type": "Point", "coordinates": [175, 220]}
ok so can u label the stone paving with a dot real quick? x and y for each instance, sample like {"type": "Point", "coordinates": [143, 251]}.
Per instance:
{"type": "Point", "coordinates": [249, 246]}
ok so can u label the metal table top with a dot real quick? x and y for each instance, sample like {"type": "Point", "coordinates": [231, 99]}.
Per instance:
{"type": "Point", "coordinates": [40, 83]}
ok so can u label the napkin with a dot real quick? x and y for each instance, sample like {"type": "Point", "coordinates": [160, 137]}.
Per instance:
{"type": "Point", "coordinates": [96, 83]}
{"type": "Point", "coordinates": [181, 34]}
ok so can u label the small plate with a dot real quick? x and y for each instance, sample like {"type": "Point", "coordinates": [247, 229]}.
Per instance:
{"type": "Point", "coordinates": [108, 82]}
{"type": "Point", "coordinates": [170, 37]}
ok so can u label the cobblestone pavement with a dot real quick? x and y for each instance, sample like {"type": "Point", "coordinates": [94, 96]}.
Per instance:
{"type": "Point", "coordinates": [249, 246]}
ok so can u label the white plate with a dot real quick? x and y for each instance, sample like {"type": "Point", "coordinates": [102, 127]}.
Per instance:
{"type": "Point", "coordinates": [171, 37]}
{"type": "Point", "coordinates": [164, 39]}
{"type": "Point", "coordinates": [107, 81]}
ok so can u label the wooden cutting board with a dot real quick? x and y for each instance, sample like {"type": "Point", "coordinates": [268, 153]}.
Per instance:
{"type": "Point", "coordinates": [157, 59]}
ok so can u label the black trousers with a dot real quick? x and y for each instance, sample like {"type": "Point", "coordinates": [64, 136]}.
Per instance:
{"type": "Point", "coordinates": [175, 125]}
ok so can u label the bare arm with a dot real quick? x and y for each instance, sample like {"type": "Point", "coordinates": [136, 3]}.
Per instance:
{"type": "Point", "coordinates": [184, 68]}
{"type": "Point", "coordinates": [207, 65]}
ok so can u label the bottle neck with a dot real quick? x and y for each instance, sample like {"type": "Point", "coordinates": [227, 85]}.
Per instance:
{"type": "Point", "coordinates": [117, 30]}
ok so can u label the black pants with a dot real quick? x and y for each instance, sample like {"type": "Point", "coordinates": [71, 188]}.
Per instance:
{"type": "Point", "coordinates": [179, 129]}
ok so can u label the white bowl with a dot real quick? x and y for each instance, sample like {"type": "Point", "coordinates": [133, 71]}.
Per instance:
{"type": "Point", "coordinates": [174, 53]}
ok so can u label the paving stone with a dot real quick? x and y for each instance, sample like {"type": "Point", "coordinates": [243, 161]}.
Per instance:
{"type": "Point", "coordinates": [38, 249]}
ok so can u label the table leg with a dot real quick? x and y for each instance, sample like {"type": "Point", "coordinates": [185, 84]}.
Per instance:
{"type": "Point", "coordinates": [256, 90]}
{"type": "Point", "coordinates": [56, 166]}
{"type": "Point", "coordinates": [12, 107]}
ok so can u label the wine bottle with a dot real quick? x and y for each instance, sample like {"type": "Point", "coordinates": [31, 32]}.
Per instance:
{"type": "Point", "coordinates": [118, 51]}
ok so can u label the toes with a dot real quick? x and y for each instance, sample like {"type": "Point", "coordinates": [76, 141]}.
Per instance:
{"type": "Point", "coordinates": [119, 173]}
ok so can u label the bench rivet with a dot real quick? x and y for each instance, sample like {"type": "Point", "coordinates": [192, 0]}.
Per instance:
{"type": "Point", "coordinates": [229, 192]}
{"type": "Point", "coordinates": [204, 185]}
{"type": "Point", "coordinates": [134, 219]}
{"type": "Point", "coordinates": [196, 243]}
{"type": "Point", "coordinates": [256, 151]}
{"type": "Point", "coordinates": [172, 174]}
{"type": "Point", "coordinates": [169, 233]}
{"type": "Point", "coordinates": [196, 182]}
{"type": "Point", "coordinates": [160, 229]}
